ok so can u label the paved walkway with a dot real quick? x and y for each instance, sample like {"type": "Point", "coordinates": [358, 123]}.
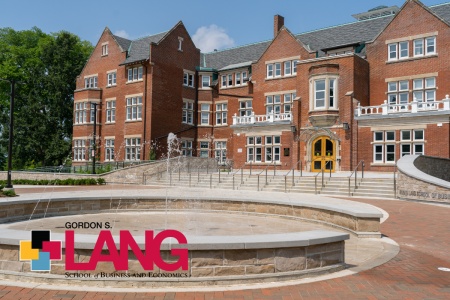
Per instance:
{"type": "Point", "coordinates": [421, 230]}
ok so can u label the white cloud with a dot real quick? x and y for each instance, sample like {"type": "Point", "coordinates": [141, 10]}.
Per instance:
{"type": "Point", "coordinates": [212, 37]}
{"type": "Point", "coordinates": [122, 33]}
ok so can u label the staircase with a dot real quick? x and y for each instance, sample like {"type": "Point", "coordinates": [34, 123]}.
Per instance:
{"type": "Point", "coordinates": [334, 186]}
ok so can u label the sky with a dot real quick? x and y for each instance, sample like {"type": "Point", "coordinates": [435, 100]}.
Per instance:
{"type": "Point", "coordinates": [211, 24]}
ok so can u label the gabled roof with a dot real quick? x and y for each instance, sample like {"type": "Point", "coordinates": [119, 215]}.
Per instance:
{"type": "Point", "coordinates": [354, 32]}
{"type": "Point", "coordinates": [139, 50]}
{"type": "Point", "coordinates": [123, 43]}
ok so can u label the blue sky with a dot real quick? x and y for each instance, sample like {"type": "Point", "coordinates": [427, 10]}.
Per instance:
{"type": "Point", "coordinates": [215, 24]}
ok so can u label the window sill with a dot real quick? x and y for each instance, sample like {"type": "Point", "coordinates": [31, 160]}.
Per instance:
{"type": "Point", "coordinates": [110, 123]}
{"type": "Point", "coordinates": [411, 58]}
{"type": "Point", "coordinates": [111, 86]}
{"type": "Point", "coordinates": [234, 87]}
{"type": "Point", "coordinates": [135, 81]}
{"type": "Point", "coordinates": [133, 121]}
{"type": "Point", "coordinates": [205, 126]}
{"type": "Point", "coordinates": [187, 86]}
{"type": "Point", "coordinates": [204, 89]}
{"type": "Point", "coordinates": [222, 125]}
{"type": "Point", "coordinates": [280, 77]}
{"type": "Point", "coordinates": [324, 110]}
{"type": "Point", "coordinates": [104, 55]}
{"type": "Point", "coordinates": [184, 123]}
{"type": "Point", "coordinates": [392, 164]}
{"type": "Point", "coordinates": [81, 124]}
{"type": "Point", "coordinates": [263, 163]}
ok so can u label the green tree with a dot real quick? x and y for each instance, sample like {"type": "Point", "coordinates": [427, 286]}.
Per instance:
{"type": "Point", "coordinates": [43, 112]}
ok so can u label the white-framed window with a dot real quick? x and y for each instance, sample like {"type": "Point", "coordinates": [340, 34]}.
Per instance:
{"type": "Point", "coordinates": [405, 135]}
{"type": "Point", "coordinates": [81, 112]}
{"type": "Point", "coordinates": [294, 66]}
{"type": "Point", "coordinates": [250, 154]}
{"type": "Point", "coordinates": [230, 79]}
{"type": "Point", "coordinates": [104, 49]}
{"type": "Point", "coordinates": [401, 96]}
{"type": "Point", "coordinates": [92, 112]}
{"type": "Point", "coordinates": [430, 45]}
{"type": "Point", "coordinates": [90, 82]}
{"type": "Point", "coordinates": [269, 70]}
{"type": "Point", "coordinates": [221, 114]}
{"type": "Point", "coordinates": [186, 148]}
{"type": "Point", "coordinates": [237, 77]}
{"type": "Point", "coordinates": [287, 103]}
{"type": "Point", "coordinates": [244, 77]}
{"type": "Point", "coordinates": [134, 108]}
{"type": "Point", "coordinates": [277, 69]}
{"type": "Point", "coordinates": [109, 149]}
{"type": "Point", "coordinates": [319, 93]}
{"type": "Point", "coordinates": [405, 149]}
{"type": "Point", "coordinates": [269, 140]}
{"type": "Point", "coordinates": [287, 68]}
{"type": "Point", "coordinates": [111, 111]}
{"type": "Point", "coordinates": [258, 154]}
{"type": "Point", "coordinates": [205, 81]}
{"type": "Point", "coordinates": [258, 140]}
{"type": "Point", "coordinates": [390, 136]}
{"type": "Point", "coordinates": [180, 42]}
{"type": "Point", "coordinates": [188, 79]}
{"type": "Point", "coordinates": [188, 112]}
{"type": "Point", "coordinates": [418, 47]}
{"type": "Point", "coordinates": [79, 150]}
{"type": "Point", "coordinates": [276, 139]}
{"type": "Point", "coordinates": [268, 154]}
{"type": "Point", "coordinates": [204, 114]}
{"type": "Point", "coordinates": [392, 51]}
{"type": "Point", "coordinates": [224, 80]}
{"type": "Point", "coordinates": [112, 78]}
{"type": "Point", "coordinates": [220, 151]}
{"type": "Point", "coordinates": [390, 153]}
{"type": "Point", "coordinates": [403, 50]}
{"type": "Point", "coordinates": [135, 73]}
{"type": "Point", "coordinates": [378, 136]}
{"type": "Point", "coordinates": [331, 92]}
{"type": "Point", "coordinates": [204, 149]}
{"type": "Point", "coordinates": [273, 104]}
{"type": "Point", "coordinates": [133, 149]}
{"type": "Point", "coordinates": [418, 134]}
{"type": "Point", "coordinates": [419, 149]}
{"type": "Point", "coordinates": [245, 108]}
{"type": "Point", "coordinates": [378, 153]}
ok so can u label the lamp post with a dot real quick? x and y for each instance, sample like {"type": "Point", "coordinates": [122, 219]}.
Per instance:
{"type": "Point", "coordinates": [95, 131]}
{"type": "Point", "coordinates": [13, 82]}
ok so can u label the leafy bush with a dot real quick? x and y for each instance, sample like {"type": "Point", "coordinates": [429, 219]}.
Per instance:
{"type": "Point", "coordinates": [100, 181]}
{"type": "Point", "coordinates": [9, 193]}
{"type": "Point", "coordinates": [68, 181]}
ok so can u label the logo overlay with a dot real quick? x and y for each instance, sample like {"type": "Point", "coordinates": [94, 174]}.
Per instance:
{"type": "Point", "coordinates": [40, 250]}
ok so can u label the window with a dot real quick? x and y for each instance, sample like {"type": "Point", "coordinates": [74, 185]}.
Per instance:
{"type": "Point", "coordinates": [221, 114]}
{"type": "Point", "coordinates": [111, 111]}
{"type": "Point", "coordinates": [186, 148]}
{"type": "Point", "coordinates": [378, 136]}
{"type": "Point", "coordinates": [245, 108]}
{"type": "Point", "coordinates": [188, 79]}
{"type": "Point", "coordinates": [418, 149]}
{"type": "Point", "coordinates": [109, 149]}
{"type": "Point", "coordinates": [133, 149]}
{"type": "Point", "coordinates": [204, 114]}
{"type": "Point", "coordinates": [79, 150]}
{"type": "Point", "coordinates": [179, 44]}
{"type": "Point", "coordinates": [378, 153]}
{"type": "Point", "coordinates": [402, 97]}
{"type": "Point", "coordinates": [277, 139]}
{"type": "Point", "coordinates": [405, 149]}
{"type": "Point", "coordinates": [287, 101]}
{"type": "Point", "coordinates": [405, 135]}
{"type": "Point", "coordinates": [90, 82]}
{"type": "Point", "coordinates": [404, 50]}
{"type": "Point", "coordinates": [221, 152]}
{"type": "Point", "coordinates": [273, 104]}
{"type": "Point", "coordinates": [258, 154]}
{"type": "Point", "coordinates": [250, 154]}
{"type": "Point", "coordinates": [237, 77]}
{"type": "Point", "coordinates": [112, 78]}
{"type": "Point", "coordinates": [319, 94]}
{"type": "Point", "coordinates": [424, 92]}
{"type": "Point", "coordinates": [269, 71]}
{"type": "Point", "coordinates": [92, 111]}
{"type": "Point", "coordinates": [204, 147]}
{"type": "Point", "coordinates": [277, 69]}
{"type": "Point", "coordinates": [254, 154]}
{"type": "Point", "coordinates": [258, 140]}
{"type": "Point", "coordinates": [244, 77]}
{"type": "Point", "coordinates": [230, 79]}
{"type": "Point", "coordinates": [392, 51]}
{"type": "Point", "coordinates": [390, 153]}
{"type": "Point", "coordinates": [224, 81]}
{"type": "Point", "coordinates": [430, 45]}
{"type": "Point", "coordinates": [268, 154]}
{"type": "Point", "coordinates": [268, 140]}
{"type": "Point", "coordinates": [188, 112]}
{"type": "Point", "coordinates": [287, 68]}
{"type": "Point", "coordinates": [331, 92]}
{"type": "Point", "coordinates": [418, 135]}
{"type": "Point", "coordinates": [134, 108]}
{"type": "Point", "coordinates": [205, 81]}
{"type": "Point", "coordinates": [81, 113]}
{"type": "Point", "coordinates": [418, 47]}
{"type": "Point", "coordinates": [104, 49]}
{"type": "Point", "coordinates": [135, 74]}
{"type": "Point", "coordinates": [430, 82]}
{"type": "Point", "coordinates": [294, 66]}
{"type": "Point", "coordinates": [390, 136]}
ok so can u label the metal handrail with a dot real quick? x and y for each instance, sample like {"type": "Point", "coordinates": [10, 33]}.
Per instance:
{"type": "Point", "coordinates": [321, 171]}
{"type": "Point", "coordinates": [293, 172]}
{"type": "Point", "coordinates": [356, 175]}
{"type": "Point", "coordinates": [242, 174]}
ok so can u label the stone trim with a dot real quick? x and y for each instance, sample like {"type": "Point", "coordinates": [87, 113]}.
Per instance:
{"type": "Point", "coordinates": [412, 77]}
{"type": "Point", "coordinates": [189, 72]}
{"type": "Point", "coordinates": [134, 95]}
{"type": "Point", "coordinates": [111, 71]}
{"type": "Point", "coordinates": [132, 136]}
{"type": "Point", "coordinates": [410, 58]}
{"type": "Point", "coordinates": [283, 59]}
{"type": "Point", "coordinates": [110, 99]}
{"type": "Point", "coordinates": [412, 37]}
{"type": "Point", "coordinates": [92, 75]}
{"type": "Point", "coordinates": [110, 137]}
{"type": "Point", "coordinates": [105, 43]}
{"type": "Point", "coordinates": [221, 101]}
{"type": "Point", "coordinates": [87, 100]}
{"type": "Point", "coordinates": [280, 93]}
{"type": "Point", "coordinates": [188, 100]}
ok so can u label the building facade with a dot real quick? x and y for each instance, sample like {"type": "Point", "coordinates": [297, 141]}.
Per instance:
{"type": "Point", "coordinates": [372, 90]}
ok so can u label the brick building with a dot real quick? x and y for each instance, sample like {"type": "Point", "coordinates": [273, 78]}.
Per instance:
{"type": "Point", "coordinates": [371, 90]}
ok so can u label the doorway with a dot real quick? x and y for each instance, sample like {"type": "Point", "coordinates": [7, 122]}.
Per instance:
{"type": "Point", "coordinates": [323, 150]}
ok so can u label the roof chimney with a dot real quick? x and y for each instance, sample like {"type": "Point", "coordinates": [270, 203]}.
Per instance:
{"type": "Point", "coordinates": [278, 22]}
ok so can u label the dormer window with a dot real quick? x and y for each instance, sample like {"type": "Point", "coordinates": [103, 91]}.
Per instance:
{"type": "Point", "coordinates": [135, 74]}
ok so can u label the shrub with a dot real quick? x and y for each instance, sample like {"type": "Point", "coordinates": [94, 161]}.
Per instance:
{"type": "Point", "coordinates": [9, 193]}
{"type": "Point", "coordinates": [100, 181]}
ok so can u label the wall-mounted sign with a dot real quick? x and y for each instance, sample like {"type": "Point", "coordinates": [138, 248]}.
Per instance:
{"type": "Point", "coordinates": [240, 150]}
{"type": "Point", "coordinates": [286, 151]}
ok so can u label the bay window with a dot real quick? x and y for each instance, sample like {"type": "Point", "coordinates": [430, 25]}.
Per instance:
{"type": "Point", "coordinates": [319, 93]}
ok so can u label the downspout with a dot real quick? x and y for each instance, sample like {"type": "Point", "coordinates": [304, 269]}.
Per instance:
{"type": "Point", "coordinates": [196, 110]}
{"type": "Point", "coordinates": [145, 110]}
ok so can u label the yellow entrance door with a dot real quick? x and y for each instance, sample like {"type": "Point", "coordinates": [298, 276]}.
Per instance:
{"type": "Point", "coordinates": [323, 150]}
